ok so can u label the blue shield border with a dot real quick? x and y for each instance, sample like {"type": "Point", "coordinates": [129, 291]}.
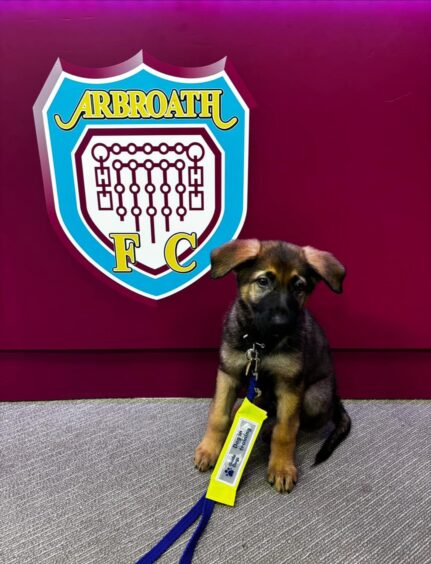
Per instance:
{"type": "Point", "coordinates": [60, 95]}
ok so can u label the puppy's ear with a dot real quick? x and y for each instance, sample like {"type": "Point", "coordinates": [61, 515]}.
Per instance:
{"type": "Point", "coordinates": [327, 267]}
{"type": "Point", "coordinates": [229, 256]}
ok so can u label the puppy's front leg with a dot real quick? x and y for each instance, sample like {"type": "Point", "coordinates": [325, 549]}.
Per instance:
{"type": "Point", "coordinates": [207, 452]}
{"type": "Point", "coordinates": [281, 468]}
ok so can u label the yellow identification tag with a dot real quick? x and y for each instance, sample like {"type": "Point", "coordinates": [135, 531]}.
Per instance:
{"type": "Point", "coordinates": [236, 451]}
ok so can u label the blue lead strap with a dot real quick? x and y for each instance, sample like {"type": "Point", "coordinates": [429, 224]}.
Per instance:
{"type": "Point", "coordinates": [203, 508]}
{"type": "Point", "coordinates": [207, 510]}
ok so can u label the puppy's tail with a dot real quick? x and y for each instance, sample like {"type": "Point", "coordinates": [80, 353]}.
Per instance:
{"type": "Point", "coordinates": [343, 424]}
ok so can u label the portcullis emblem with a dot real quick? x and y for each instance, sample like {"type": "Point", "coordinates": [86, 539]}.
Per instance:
{"type": "Point", "coordinates": [145, 167]}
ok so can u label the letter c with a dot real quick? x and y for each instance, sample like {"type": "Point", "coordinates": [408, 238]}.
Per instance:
{"type": "Point", "coordinates": [171, 251]}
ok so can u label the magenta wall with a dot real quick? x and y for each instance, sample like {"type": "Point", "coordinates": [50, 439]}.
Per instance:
{"type": "Point", "coordinates": [340, 158]}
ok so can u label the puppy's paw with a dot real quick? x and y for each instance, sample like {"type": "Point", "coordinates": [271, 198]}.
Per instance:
{"type": "Point", "coordinates": [206, 455]}
{"type": "Point", "coordinates": [283, 476]}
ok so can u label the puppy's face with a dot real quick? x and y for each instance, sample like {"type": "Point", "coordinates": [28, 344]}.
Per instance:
{"type": "Point", "coordinates": [276, 285]}
{"type": "Point", "coordinates": [275, 279]}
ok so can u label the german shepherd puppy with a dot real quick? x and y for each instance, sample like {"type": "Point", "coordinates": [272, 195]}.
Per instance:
{"type": "Point", "coordinates": [296, 375]}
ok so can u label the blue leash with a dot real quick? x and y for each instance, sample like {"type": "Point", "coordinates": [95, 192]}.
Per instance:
{"type": "Point", "coordinates": [203, 508]}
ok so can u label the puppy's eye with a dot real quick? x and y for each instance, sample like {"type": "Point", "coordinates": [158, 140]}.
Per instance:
{"type": "Point", "coordinates": [299, 286]}
{"type": "Point", "coordinates": [263, 282]}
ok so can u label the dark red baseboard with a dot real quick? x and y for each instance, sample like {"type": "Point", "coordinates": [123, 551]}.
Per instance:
{"type": "Point", "coordinates": [49, 375]}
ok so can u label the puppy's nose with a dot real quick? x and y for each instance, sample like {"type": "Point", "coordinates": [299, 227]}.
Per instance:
{"type": "Point", "coordinates": [279, 320]}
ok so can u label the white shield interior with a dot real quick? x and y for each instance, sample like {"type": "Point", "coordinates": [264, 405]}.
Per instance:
{"type": "Point", "coordinates": [154, 185]}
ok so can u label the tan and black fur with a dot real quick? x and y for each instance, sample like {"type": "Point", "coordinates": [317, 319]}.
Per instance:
{"type": "Point", "coordinates": [296, 373]}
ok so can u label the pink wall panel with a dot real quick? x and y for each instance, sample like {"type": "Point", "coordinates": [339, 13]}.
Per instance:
{"type": "Point", "coordinates": [340, 158]}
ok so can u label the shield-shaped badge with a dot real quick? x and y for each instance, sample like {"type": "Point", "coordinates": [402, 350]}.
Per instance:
{"type": "Point", "coordinates": [145, 167]}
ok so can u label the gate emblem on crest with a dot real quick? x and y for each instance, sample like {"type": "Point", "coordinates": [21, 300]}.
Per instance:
{"type": "Point", "coordinates": [153, 182]}
{"type": "Point", "coordinates": [145, 167]}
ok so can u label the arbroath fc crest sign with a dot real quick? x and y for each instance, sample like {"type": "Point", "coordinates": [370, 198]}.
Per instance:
{"type": "Point", "coordinates": [145, 167]}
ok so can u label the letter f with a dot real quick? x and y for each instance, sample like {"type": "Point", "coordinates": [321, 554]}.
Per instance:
{"type": "Point", "coordinates": [124, 251]}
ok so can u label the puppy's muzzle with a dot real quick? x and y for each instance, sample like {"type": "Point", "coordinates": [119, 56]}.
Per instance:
{"type": "Point", "coordinates": [279, 322]}
{"type": "Point", "coordinates": [272, 323]}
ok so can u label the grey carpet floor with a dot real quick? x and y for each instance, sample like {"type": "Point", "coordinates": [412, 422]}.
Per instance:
{"type": "Point", "coordinates": [100, 481]}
